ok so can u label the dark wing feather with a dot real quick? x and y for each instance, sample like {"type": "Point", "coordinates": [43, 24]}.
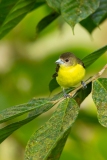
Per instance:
{"type": "Point", "coordinates": [56, 73]}
{"type": "Point", "coordinates": [80, 62]}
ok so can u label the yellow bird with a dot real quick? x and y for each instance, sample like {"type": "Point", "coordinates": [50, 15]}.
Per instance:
{"type": "Point", "coordinates": [70, 71]}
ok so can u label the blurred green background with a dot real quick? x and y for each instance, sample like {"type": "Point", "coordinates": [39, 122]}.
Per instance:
{"type": "Point", "coordinates": [26, 67]}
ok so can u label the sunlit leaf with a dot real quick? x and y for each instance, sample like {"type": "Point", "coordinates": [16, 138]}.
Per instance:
{"type": "Point", "coordinates": [99, 94]}
{"type": "Point", "coordinates": [54, 133]}
{"type": "Point", "coordinates": [75, 11]}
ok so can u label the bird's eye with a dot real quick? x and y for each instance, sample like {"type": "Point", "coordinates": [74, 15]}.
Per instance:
{"type": "Point", "coordinates": [66, 60]}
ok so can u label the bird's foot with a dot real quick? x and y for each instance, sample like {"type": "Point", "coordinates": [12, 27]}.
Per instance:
{"type": "Point", "coordinates": [84, 84]}
{"type": "Point", "coordinates": [66, 95]}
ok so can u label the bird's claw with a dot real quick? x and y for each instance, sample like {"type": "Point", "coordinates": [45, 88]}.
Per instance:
{"type": "Point", "coordinates": [84, 84]}
{"type": "Point", "coordinates": [66, 95]}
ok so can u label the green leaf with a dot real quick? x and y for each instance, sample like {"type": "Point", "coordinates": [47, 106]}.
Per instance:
{"type": "Point", "coordinates": [54, 4]}
{"type": "Point", "coordinates": [91, 58]}
{"type": "Point", "coordinates": [38, 105]}
{"type": "Point", "coordinates": [46, 21]}
{"type": "Point", "coordinates": [75, 11]}
{"type": "Point", "coordinates": [101, 13]}
{"type": "Point", "coordinates": [96, 18]}
{"type": "Point", "coordinates": [53, 84]}
{"type": "Point", "coordinates": [43, 142]}
{"type": "Point", "coordinates": [83, 93]}
{"type": "Point", "coordinates": [88, 24]}
{"type": "Point", "coordinates": [48, 133]}
{"type": "Point", "coordinates": [38, 4]}
{"type": "Point", "coordinates": [5, 7]}
{"type": "Point", "coordinates": [8, 130]}
{"type": "Point", "coordinates": [16, 14]}
{"type": "Point", "coordinates": [56, 152]}
{"type": "Point", "coordinates": [99, 95]}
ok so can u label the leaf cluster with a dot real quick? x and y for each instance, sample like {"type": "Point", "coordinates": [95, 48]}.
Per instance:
{"type": "Point", "coordinates": [90, 14]}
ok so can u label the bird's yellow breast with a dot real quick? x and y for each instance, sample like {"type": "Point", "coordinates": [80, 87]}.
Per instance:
{"type": "Point", "coordinates": [69, 76]}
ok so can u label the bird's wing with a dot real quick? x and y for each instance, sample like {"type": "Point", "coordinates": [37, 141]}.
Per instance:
{"type": "Point", "coordinates": [80, 62]}
{"type": "Point", "coordinates": [56, 73]}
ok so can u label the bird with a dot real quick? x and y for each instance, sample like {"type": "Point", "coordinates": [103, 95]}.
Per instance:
{"type": "Point", "coordinates": [70, 71]}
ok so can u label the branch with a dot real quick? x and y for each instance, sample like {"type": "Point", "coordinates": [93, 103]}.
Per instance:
{"type": "Point", "coordinates": [91, 79]}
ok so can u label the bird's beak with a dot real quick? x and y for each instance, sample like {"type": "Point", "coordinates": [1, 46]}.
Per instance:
{"type": "Point", "coordinates": [59, 61]}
